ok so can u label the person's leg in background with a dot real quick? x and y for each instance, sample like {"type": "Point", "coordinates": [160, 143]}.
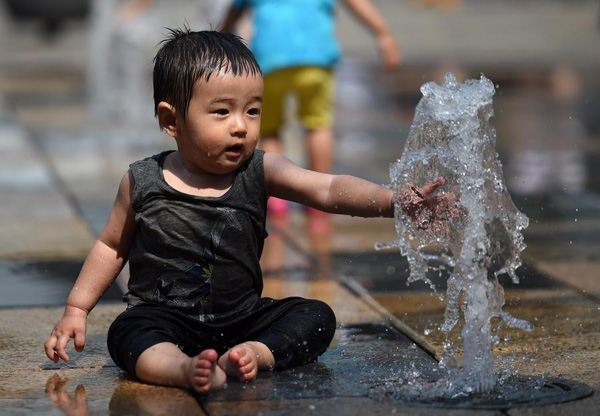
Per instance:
{"type": "Point", "coordinates": [314, 87]}
{"type": "Point", "coordinates": [272, 119]}
{"type": "Point", "coordinates": [319, 148]}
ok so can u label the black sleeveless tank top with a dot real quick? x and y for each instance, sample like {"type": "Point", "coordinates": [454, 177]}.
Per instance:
{"type": "Point", "coordinates": [199, 255]}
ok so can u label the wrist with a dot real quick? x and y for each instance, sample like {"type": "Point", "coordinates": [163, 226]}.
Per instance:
{"type": "Point", "coordinates": [390, 212]}
{"type": "Point", "coordinates": [72, 310]}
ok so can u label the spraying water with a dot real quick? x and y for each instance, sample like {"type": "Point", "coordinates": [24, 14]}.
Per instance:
{"type": "Point", "coordinates": [473, 229]}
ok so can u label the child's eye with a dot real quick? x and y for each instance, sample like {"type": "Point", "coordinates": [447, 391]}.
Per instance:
{"type": "Point", "coordinates": [222, 112]}
{"type": "Point", "coordinates": [254, 111]}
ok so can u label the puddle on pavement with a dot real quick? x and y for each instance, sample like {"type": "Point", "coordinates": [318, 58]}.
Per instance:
{"type": "Point", "coordinates": [360, 357]}
{"type": "Point", "coordinates": [514, 392]}
{"type": "Point", "coordinates": [387, 272]}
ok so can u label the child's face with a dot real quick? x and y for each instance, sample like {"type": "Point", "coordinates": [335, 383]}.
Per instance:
{"type": "Point", "coordinates": [222, 124]}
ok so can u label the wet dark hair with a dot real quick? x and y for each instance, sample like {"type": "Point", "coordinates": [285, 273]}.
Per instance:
{"type": "Point", "coordinates": [186, 56]}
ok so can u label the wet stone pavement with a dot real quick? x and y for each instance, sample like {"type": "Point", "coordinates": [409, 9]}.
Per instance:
{"type": "Point", "coordinates": [58, 177]}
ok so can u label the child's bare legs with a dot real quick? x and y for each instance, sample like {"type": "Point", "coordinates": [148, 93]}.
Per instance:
{"type": "Point", "coordinates": [167, 365]}
{"type": "Point", "coordinates": [272, 143]}
{"type": "Point", "coordinates": [245, 360]}
{"type": "Point", "coordinates": [319, 146]}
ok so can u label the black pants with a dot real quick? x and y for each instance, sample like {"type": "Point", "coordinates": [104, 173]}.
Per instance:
{"type": "Point", "coordinates": [296, 330]}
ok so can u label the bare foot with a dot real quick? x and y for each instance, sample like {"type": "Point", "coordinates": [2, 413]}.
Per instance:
{"type": "Point", "coordinates": [204, 374]}
{"type": "Point", "coordinates": [240, 362]}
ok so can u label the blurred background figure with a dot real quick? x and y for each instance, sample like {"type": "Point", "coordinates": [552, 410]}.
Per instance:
{"type": "Point", "coordinates": [295, 44]}
{"type": "Point", "coordinates": [124, 35]}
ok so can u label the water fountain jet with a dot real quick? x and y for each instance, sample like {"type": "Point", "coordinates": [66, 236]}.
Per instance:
{"type": "Point", "coordinates": [473, 229]}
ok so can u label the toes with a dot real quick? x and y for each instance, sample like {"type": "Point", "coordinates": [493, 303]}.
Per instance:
{"type": "Point", "coordinates": [204, 364]}
{"type": "Point", "coordinates": [204, 375]}
{"type": "Point", "coordinates": [244, 361]}
{"type": "Point", "coordinates": [241, 363]}
{"type": "Point", "coordinates": [209, 355]}
{"type": "Point", "coordinates": [237, 354]}
{"type": "Point", "coordinates": [249, 375]}
{"type": "Point", "coordinates": [202, 372]}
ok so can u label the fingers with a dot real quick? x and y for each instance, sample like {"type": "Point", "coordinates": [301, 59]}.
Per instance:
{"type": "Point", "coordinates": [61, 344]}
{"type": "Point", "coordinates": [390, 50]}
{"type": "Point", "coordinates": [79, 341]}
{"type": "Point", "coordinates": [55, 347]}
{"type": "Point", "coordinates": [49, 348]}
{"type": "Point", "coordinates": [56, 390]}
{"type": "Point", "coordinates": [51, 383]}
{"type": "Point", "coordinates": [65, 329]}
{"type": "Point", "coordinates": [431, 187]}
{"type": "Point", "coordinates": [80, 396]}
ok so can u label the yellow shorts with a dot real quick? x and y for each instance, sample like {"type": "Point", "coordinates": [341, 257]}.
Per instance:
{"type": "Point", "coordinates": [313, 88]}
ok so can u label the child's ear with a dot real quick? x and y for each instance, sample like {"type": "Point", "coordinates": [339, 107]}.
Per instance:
{"type": "Point", "coordinates": [167, 118]}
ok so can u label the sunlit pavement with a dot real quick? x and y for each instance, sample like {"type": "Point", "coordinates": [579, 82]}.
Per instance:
{"type": "Point", "coordinates": [58, 177]}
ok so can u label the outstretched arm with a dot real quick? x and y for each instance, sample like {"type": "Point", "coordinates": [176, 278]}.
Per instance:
{"type": "Point", "coordinates": [367, 13]}
{"type": "Point", "coordinates": [340, 194]}
{"type": "Point", "coordinates": [101, 267]}
{"type": "Point", "coordinates": [343, 194]}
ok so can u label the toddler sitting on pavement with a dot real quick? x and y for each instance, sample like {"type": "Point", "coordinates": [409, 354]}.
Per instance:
{"type": "Point", "coordinates": [191, 223]}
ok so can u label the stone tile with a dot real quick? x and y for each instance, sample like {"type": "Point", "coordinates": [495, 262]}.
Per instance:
{"type": "Point", "coordinates": [565, 342]}
{"type": "Point", "coordinates": [24, 330]}
{"type": "Point", "coordinates": [44, 116]}
{"type": "Point", "coordinates": [52, 280]}
{"type": "Point", "coordinates": [57, 238]}
{"type": "Point", "coordinates": [349, 233]}
{"type": "Point", "coordinates": [348, 308]}
{"type": "Point", "coordinates": [133, 398]}
{"type": "Point", "coordinates": [381, 272]}
{"type": "Point", "coordinates": [61, 391]}
{"type": "Point", "coordinates": [351, 406]}
{"type": "Point", "coordinates": [30, 205]}
{"type": "Point", "coordinates": [583, 275]}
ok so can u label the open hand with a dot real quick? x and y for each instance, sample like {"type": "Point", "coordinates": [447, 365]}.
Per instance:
{"type": "Point", "coordinates": [428, 209]}
{"type": "Point", "coordinates": [71, 325]}
{"type": "Point", "coordinates": [391, 53]}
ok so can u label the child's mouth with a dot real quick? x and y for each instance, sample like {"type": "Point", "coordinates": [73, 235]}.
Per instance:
{"type": "Point", "coordinates": [235, 150]}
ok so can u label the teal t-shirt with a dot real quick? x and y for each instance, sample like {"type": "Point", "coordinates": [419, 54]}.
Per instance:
{"type": "Point", "coordinates": [290, 33]}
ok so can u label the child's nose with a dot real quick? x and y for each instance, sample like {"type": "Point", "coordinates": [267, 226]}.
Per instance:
{"type": "Point", "coordinates": [238, 126]}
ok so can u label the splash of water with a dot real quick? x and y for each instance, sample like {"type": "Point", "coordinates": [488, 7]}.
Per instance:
{"type": "Point", "coordinates": [451, 137]}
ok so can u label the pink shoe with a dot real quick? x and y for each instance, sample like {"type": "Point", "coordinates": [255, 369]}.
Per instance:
{"type": "Point", "coordinates": [277, 206]}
